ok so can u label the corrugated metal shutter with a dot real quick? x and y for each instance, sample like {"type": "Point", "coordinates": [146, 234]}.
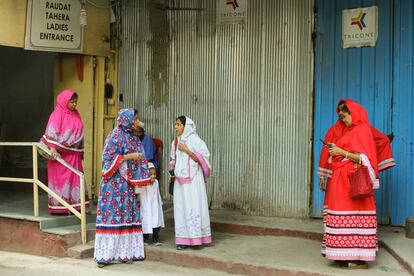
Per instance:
{"type": "Point", "coordinates": [248, 87]}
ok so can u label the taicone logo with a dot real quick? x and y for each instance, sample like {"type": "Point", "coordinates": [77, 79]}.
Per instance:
{"type": "Point", "coordinates": [233, 3]}
{"type": "Point", "coordinates": [359, 20]}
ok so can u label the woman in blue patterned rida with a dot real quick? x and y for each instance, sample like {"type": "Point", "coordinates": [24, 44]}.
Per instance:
{"type": "Point", "coordinates": [118, 227]}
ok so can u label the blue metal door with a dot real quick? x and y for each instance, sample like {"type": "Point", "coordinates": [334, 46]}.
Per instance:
{"type": "Point", "coordinates": [402, 193]}
{"type": "Point", "coordinates": [363, 74]}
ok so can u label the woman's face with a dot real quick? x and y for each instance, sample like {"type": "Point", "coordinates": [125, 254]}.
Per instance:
{"type": "Point", "coordinates": [345, 117]}
{"type": "Point", "coordinates": [135, 126]}
{"type": "Point", "coordinates": [73, 104]}
{"type": "Point", "coordinates": [179, 127]}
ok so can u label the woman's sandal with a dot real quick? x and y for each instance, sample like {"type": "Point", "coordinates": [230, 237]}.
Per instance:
{"type": "Point", "coordinates": [341, 263]}
{"type": "Point", "coordinates": [358, 265]}
{"type": "Point", "coordinates": [101, 265]}
{"type": "Point", "coordinates": [182, 247]}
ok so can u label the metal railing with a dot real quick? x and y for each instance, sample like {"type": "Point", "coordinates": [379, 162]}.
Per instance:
{"type": "Point", "coordinates": [37, 183]}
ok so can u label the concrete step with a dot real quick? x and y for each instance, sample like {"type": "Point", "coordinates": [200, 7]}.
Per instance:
{"type": "Point", "coordinates": [69, 229]}
{"type": "Point", "coordinates": [82, 251]}
{"type": "Point", "coordinates": [72, 233]}
{"type": "Point", "coordinates": [393, 239]}
{"type": "Point", "coordinates": [233, 221]}
{"type": "Point", "coordinates": [286, 231]}
{"type": "Point", "coordinates": [66, 220]}
{"type": "Point", "coordinates": [253, 255]}
{"type": "Point", "coordinates": [242, 243]}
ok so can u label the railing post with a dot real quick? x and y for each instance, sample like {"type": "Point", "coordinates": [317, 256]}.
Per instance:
{"type": "Point", "coordinates": [35, 179]}
{"type": "Point", "coordinates": [83, 209]}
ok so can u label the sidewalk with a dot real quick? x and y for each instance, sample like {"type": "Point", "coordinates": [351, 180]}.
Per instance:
{"type": "Point", "coordinates": [263, 255]}
{"type": "Point", "coordinates": [18, 264]}
{"type": "Point", "coordinates": [244, 244]}
{"type": "Point", "coordinates": [401, 248]}
{"type": "Point", "coordinates": [262, 245]}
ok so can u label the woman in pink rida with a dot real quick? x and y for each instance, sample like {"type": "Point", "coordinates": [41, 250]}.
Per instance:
{"type": "Point", "coordinates": [64, 136]}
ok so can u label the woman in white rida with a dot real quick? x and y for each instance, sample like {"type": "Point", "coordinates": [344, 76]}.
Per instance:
{"type": "Point", "coordinates": [189, 159]}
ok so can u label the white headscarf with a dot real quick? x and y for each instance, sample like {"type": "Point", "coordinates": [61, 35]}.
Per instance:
{"type": "Point", "coordinates": [189, 129]}
{"type": "Point", "coordinates": [185, 167]}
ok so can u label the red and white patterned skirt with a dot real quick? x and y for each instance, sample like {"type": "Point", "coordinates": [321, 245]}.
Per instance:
{"type": "Point", "coordinates": [350, 226]}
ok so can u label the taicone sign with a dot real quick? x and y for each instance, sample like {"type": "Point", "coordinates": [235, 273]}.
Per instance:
{"type": "Point", "coordinates": [231, 11]}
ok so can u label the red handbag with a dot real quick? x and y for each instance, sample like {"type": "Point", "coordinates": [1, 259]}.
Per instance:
{"type": "Point", "coordinates": [360, 182]}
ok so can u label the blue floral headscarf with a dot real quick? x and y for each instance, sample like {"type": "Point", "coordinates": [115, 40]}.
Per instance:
{"type": "Point", "coordinates": [126, 119]}
{"type": "Point", "coordinates": [122, 141]}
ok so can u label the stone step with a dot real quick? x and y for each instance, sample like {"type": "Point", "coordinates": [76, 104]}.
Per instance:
{"type": "Point", "coordinates": [67, 220]}
{"type": "Point", "coordinates": [232, 221]}
{"type": "Point", "coordinates": [72, 233]}
{"type": "Point", "coordinates": [82, 251]}
{"type": "Point", "coordinates": [234, 224]}
{"type": "Point", "coordinates": [230, 226]}
{"type": "Point", "coordinates": [69, 229]}
{"type": "Point", "coordinates": [252, 255]}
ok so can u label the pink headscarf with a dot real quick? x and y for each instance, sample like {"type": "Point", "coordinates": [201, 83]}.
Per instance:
{"type": "Point", "coordinates": [65, 128]}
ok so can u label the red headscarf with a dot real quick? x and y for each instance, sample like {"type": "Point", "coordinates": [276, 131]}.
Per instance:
{"type": "Point", "coordinates": [360, 137]}
{"type": "Point", "coordinates": [384, 151]}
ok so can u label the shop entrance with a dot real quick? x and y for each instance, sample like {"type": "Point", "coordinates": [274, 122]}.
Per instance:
{"type": "Point", "coordinates": [26, 101]}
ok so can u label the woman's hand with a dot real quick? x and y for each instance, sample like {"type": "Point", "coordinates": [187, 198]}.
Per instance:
{"type": "Point", "coordinates": [153, 173]}
{"type": "Point", "coordinates": [183, 148]}
{"type": "Point", "coordinates": [54, 152]}
{"type": "Point", "coordinates": [322, 183]}
{"type": "Point", "coordinates": [134, 156]}
{"type": "Point", "coordinates": [334, 150]}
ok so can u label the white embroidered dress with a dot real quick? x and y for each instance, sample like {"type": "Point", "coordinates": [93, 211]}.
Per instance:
{"type": "Point", "coordinates": [191, 215]}
{"type": "Point", "coordinates": [151, 207]}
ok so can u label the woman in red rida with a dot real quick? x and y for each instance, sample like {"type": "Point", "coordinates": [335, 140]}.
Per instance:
{"type": "Point", "coordinates": [350, 224]}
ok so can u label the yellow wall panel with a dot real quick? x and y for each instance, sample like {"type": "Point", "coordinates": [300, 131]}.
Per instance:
{"type": "Point", "coordinates": [85, 89]}
{"type": "Point", "coordinates": [13, 26]}
{"type": "Point", "coordinates": [12, 22]}
{"type": "Point", "coordinates": [99, 111]}
{"type": "Point", "coordinates": [96, 37]}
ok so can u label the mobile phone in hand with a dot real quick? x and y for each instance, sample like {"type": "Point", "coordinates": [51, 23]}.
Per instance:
{"type": "Point", "coordinates": [171, 173]}
{"type": "Point", "coordinates": [325, 143]}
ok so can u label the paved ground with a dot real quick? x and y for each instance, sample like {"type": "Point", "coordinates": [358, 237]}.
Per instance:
{"type": "Point", "coordinates": [277, 252]}
{"type": "Point", "coordinates": [17, 264]}
{"type": "Point", "coordinates": [254, 251]}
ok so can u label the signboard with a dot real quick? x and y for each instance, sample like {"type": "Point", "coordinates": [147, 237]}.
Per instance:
{"type": "Point", "coordinates": [360, 27]}
{"type": "Point", "coordinates": [54, 25]}
{"type": "Point", "coordinates": [231, 11]}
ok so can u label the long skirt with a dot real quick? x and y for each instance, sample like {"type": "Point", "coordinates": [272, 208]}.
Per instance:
{"type": "Point", "coordinates": [118, 227]}
{"type": "Point", "coordinates": [65, 183]}
{"type": "Point", "coordinates": [151, 207]}
{"type": "Point", "coordinates": [191, 216]}
{"type": "Point", "coordinates": [350, 225]}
